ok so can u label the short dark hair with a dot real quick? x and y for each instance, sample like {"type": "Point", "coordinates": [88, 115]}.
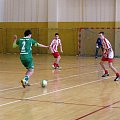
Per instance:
{"type": "Point", "coordinates": [56, 34]}
{"type": "Point", "coordinates": [27, 32]}
{"type": "Point", "coordinates": [101, 33]}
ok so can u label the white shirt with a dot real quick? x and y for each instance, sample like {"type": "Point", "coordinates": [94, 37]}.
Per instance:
{"type": "Point", "coordinates": [54, 45]}
{"type": "Point", "coordinates": [107, 46]}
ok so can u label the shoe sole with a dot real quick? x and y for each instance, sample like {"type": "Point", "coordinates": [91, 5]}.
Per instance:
{"type": "Point", "coordinates": [28, 85]}
{"type": "Point", "coordinates": [117, 79]}
{"type": "Point", "coordinates": [59, 68]}
{"type": "Point", "coordinates": [53, 67]}
{"type": "Point", "coordinates": [22, 84]}
{"type": "Point", "coordinates": [105, 76]}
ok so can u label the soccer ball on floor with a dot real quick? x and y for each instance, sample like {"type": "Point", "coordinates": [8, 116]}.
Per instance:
{"type": "Point", "coordinates": [44, 83]}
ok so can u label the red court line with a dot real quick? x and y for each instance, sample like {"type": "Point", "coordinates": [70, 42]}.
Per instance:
{"type": "Point", "coordinates": [107, 106]}
{"type": "Point", "coordinates": [101, 28]}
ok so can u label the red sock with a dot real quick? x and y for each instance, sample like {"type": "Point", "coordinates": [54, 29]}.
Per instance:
{"type": "Point", "coordinates": [117, 74]}
{"type": "Point", "coordinates": [106, 72]}
{"type": "Point", "coordinates": [57, 65]}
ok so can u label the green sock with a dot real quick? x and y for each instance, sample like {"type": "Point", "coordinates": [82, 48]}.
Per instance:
{"type": "Point", "coordinates": [26, 78]}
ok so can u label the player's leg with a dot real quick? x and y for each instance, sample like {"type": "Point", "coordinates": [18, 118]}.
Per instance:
{"type": "Point", "coordinates": [102, 49]}
{"type": "Point", "coordinates": [28, 74]}
{"type": "Point", "coordinates": [54, 63]}
{"type": "Point", "coordinates": [30, 70]}
{"type": "Point", "coordinates": [96, 53]}
{"type": "Point", "coordinates": [110, 62]}
{"type": "Point", "coordinates": [103, 66]}
{"type": "Point", "coordinates": [114, 70]}
{"type": "Point", "coordinates": [57, 59]}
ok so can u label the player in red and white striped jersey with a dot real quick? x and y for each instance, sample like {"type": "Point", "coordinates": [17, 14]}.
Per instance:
{"type": "Point", "coordinates": [108, 55]}
{"type": "Point", "coordinates": [54, 50]}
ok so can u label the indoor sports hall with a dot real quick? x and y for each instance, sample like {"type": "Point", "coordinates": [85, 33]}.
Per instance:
{"type": "Point", "coordinates": [75, 89]}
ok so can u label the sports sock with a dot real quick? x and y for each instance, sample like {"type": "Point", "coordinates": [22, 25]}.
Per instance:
{"type": "Point", "coordinates": [106, 72]}
{"type": "Point", "coordinates": [26, 78]}
{"type": "Point", "coordinates": [117, 74]}
{"type": "Point", "coordinates": [55, 65]}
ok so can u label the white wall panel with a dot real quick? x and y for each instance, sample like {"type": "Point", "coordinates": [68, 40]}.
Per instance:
{"type": "Point", "coordinates": [86, 10]}
{"type": "Point", "coordinates": [34, 10]}
{"type": "Point", "coordinates": [68, 10]}
{"type": "Point", "coordinates": [107, 11]}
{"type": "Point", "coordinates": [8, 7]}
{"type": "Point", "coordinates": [42, 10]}
{"type": "Point", "coordinates": [26, 11]}
{"type": "Point", "coordinates": [21, 10]}
{"type": "Point", "coordinates": [117, 17]}
{"type": "Point", "coordinates": [89, 10]}
{"type": "Point", "coordinates": [2, 10]}
{"type": "Point", "coordinates": [53, 10]}
{"type": "Point", "coordinates": [15, 11]}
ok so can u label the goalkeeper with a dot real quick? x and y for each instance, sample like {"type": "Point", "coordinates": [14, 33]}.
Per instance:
{"type": "Point", "coordinates": [98, 46]}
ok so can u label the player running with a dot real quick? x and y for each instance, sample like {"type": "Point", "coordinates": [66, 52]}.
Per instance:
{"type": "Point", "coordinates": [25, 46]}
{"type": "Point", "coordinates": [53, 47]}
{"type": "Point", "coordinates": [108, 55]}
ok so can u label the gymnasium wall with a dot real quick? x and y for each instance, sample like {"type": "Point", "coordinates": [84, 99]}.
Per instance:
{"type": "Point", "coordinates": [63, 16]}
{"type": "Point", "coordinates": [58, 10]}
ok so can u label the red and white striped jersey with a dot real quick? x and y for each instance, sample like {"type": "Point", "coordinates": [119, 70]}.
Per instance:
{"type": "Point", "coordinates": [54, 45]}
{"type": "Point", "coordinates": [106, 44]}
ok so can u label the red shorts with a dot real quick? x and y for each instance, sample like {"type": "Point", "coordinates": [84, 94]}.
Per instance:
{"type": "Point", "coordinates": [110, 60]}
{"type": "Point", "coordinates": [56, 54]}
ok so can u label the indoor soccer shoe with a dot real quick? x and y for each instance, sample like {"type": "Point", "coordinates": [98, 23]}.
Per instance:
{"type": "Point", "coordinates": [105, 75]}
{"type": "Point", "coordinates": [117, 78]}
{"type": "Point", "coordinates": [53, 67]}
{"type": "Point", "coordinates": [59, 68]}
{"type": "Point", "coordinates": [27, 83]}
{"type": "Point", "coordinates": [23, 83]}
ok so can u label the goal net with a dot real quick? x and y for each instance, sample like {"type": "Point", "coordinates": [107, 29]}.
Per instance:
{"type": "Point", "coordinates": [87, 38]}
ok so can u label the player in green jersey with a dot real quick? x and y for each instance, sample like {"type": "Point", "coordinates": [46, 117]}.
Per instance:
{"type": "Point", "coordinates": [25, 46]}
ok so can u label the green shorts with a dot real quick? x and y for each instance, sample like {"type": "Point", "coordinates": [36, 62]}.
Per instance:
{"type": "Point", "coordinates": [28, 63]}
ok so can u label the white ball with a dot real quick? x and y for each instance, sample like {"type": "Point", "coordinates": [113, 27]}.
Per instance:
{"type": "Point", "coordinates": [44, 83]}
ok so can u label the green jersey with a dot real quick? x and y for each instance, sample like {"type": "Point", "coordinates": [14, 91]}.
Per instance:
{"type": "Point", "coordinates": [25, 46]}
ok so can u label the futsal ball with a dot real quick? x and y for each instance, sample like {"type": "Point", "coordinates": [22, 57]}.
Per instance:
{"type": "Point", "coordinates": [44, 83]}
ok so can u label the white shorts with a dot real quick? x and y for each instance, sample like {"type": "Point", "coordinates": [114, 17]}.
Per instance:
{"type": "Point", "coordinates": [108, 56]}
{"type": "Point", "coordinates": [111, 54]}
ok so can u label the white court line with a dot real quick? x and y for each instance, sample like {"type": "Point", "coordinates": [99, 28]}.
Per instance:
{"type": "Point", "coordinates": [48, 81]}
{"type": "Point", "coordinates": [52, 92]}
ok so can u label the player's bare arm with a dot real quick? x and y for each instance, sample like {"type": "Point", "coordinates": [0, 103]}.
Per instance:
{"type": "Point", "coordinates": [61, 49]}
{"type": "Point", "coordinates": [15, 38]}
{"type": "Point", "coordinates": [41, 45]}
{"type": "Point", "coordinates": [14, 41]}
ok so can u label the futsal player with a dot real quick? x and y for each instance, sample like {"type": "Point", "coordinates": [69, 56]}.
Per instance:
{"type": "Point", "coordinates": [53, 47]}
{"type": "Point", "coordinates": [25, 46]}
{"type": "Point", "coordinates": [108, 56]}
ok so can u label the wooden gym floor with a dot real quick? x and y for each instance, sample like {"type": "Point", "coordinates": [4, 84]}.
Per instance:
{"type": "Point", "coordinates": [77, 92]}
